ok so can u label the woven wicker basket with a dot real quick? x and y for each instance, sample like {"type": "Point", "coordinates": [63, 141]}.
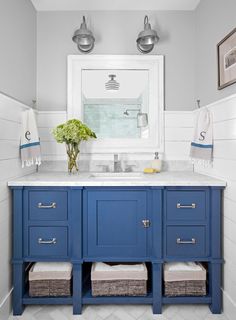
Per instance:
{"type": "Point", "coordinates": [53, 288]}
{"type": "Point", "coordinates": [185, 288]}
{"type": "Point", "coordinates": [49, 283]}
{"type": "Point", "coordinates": [185, 282]}
{"type": "Point", "coordinates": [119, 287]}
{"type": "Point", "coordinates": [129, 282]}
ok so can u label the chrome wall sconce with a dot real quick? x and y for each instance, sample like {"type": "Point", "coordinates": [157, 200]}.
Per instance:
{"type": "Point", "coordinates": [84, 38]}
{"type": "Point", "coordinates": [147, 38]}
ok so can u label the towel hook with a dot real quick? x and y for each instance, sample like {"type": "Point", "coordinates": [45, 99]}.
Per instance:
{"type": "Point", "coordinates": [198, 103]}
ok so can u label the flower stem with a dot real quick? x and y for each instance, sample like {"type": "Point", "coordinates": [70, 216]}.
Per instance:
{"type": "Point", "coordinates": [72, 150]}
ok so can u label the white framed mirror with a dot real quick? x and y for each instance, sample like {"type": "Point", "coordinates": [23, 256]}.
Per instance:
{"type": "Point", "coordinates": [121, 99]}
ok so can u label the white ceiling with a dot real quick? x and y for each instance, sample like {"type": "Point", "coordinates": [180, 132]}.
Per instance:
{"type": "Point", "coordinates": [85, 5]}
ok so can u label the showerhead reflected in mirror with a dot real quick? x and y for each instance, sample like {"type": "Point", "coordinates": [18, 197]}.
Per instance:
{"type": "Point", "coordinates": [115, 103]}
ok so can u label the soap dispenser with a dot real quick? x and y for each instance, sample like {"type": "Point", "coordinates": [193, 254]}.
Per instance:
{"type": "Point", "coordinates": [156, 163]}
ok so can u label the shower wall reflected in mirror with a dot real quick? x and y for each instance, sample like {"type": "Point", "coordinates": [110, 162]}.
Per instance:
{"type": "Point", "coordinates": [113, 100]}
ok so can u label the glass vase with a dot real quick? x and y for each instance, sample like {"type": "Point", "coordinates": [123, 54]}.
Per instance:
{"type": "Point", "coordinates": [72, 150]}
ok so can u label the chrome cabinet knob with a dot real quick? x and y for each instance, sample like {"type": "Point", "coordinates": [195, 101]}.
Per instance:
{"type": "Point", "coordinates": [146, 223]}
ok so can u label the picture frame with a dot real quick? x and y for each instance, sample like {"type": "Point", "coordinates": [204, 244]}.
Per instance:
{"type": "Point", "coordinates": [226, 56]}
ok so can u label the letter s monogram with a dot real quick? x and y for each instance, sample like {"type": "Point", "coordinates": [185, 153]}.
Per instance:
{"type": "Point", "coordinates": [202, 136]}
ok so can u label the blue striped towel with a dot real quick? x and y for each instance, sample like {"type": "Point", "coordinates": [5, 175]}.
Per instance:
{"type": "Point", "coordinates": [30, 144]}
{"type": "Point", "coordinates": [202, 143]}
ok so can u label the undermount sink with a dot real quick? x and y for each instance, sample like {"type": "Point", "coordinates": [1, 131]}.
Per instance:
{"type": "Point", "coordinates": [116, 175]}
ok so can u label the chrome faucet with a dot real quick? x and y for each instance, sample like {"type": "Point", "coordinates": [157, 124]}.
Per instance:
{"type": "Point", "coordinates": [117, 164]}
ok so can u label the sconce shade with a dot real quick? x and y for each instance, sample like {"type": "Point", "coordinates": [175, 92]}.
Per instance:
{"type": "Point", "coordinates": [147, 38]}
{"type": "Point", "coordinates": [84, 38]}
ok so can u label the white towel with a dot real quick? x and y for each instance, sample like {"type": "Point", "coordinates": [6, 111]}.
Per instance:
{"type": "Point", "coordinates": [52, 266]}
{"type": "Point", "coordinates": [202, 144]}
{"type": "Point", "coordinates": [101, 266]}
{"type": "Point", "coordinates": [103, 271]}
{"type": "Point", "coordinates": [30, 145]}
{"type": "Point", "coordinates": [182, 266]}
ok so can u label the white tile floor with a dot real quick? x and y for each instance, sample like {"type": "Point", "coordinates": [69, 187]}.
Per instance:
{"type": "Point", "coordinates": [113, 312]}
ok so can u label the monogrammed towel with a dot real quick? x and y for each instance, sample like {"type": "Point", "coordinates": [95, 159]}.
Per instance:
{"type": "Point", "coordinates": [29, 145]}
{"type": "Point", "coordinates": [202, 143]}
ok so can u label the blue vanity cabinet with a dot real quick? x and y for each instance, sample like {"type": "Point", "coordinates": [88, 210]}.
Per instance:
{"type": "Point", "coordinates": [117, 224]}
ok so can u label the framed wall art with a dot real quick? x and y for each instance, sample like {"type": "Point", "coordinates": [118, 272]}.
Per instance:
{"type": "Point", "coordinates": [226, 52]}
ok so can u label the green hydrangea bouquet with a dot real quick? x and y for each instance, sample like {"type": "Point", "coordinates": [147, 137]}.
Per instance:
{"type": "Point", "coordinates": [72, 133]}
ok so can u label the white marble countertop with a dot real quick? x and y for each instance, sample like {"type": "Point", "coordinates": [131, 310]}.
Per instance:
{"type": "Point", "coordinates": [83, 179]}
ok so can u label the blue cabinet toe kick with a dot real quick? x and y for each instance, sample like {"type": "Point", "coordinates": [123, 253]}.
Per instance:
{"type": "Point", "coordinates": [131, 224]}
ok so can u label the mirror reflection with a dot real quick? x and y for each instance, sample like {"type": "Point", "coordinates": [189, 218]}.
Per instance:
{"type": "Point", "coordinates": [115, 102]}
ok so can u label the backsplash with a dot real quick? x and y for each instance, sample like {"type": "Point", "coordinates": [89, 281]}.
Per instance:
{"type": "Point", "coordinates": [126, 165]}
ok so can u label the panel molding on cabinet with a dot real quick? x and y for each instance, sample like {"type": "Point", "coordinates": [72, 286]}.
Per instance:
{"type": "Point", "coordinates": [115, 223]}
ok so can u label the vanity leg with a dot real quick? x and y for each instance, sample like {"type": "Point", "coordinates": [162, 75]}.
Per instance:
{"type": "Point", "coordinates": [157, 288]}
{"type": "Point", "coordinates": [215, 287]}
{"type": "Point", "coordinates": [77, 288]}
{"type": "Point", "coordinates": [18, 288]}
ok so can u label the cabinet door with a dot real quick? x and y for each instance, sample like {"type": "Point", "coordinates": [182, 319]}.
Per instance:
{"type": "Point", "coordinates": [115, 227]}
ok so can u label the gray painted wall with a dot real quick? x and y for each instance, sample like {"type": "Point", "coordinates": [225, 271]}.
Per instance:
{"type": "Point", "coordinates": [18, 49]}
{"type": "Point", "coordinates": [116, 33]}
{"type": "Point", "coordinates": [188, 41]}
{"type": "Point", "coordinates": [214, 20]}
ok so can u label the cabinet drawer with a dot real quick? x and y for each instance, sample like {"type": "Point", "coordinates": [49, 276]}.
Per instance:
{"type": "Point", "coordinates": [186, 241]}
{"type": "Point", "coordinates": [186, 205]}
{"type": "Point", "coordinates": [48, 205]}
{"type": "Point", "coordinates": [48, 241]}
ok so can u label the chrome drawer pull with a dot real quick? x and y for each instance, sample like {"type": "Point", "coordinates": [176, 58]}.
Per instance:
{"type": "Point", "coordinates": [44, 206]}
{"type": "Point", "coordinates": [146, 223]}
{"type": "Point", "coordinates": [180, 206]}
{"type": "Point", "coordinates": [41, 241]}
{"type": "Point", "coordinates": [192, 241]}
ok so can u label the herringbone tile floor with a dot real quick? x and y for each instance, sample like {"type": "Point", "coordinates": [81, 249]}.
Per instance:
{"type": "Point", "coordinates": [114, 312]}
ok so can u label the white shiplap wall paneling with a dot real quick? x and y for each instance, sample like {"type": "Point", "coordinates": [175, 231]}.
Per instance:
{"type": "Point", "coordinates": [224, 167]}
{"type": "Point", "coordinates": [51, 150]}
{"type": "Point", "coordinates": [50, 119]}
{"type": "Point", "coordinates": [178, 134]}
{"type": "Point", "coordinates": [10, 168]}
